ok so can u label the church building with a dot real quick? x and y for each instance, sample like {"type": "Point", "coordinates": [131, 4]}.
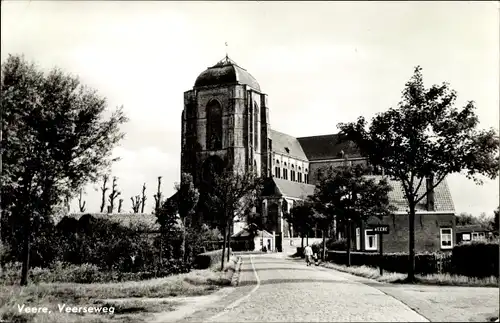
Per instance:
{"type": "Point", "coordinates": [226, 125]}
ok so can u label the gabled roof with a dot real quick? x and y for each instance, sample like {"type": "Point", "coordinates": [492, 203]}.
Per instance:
{"type": "Point", "coordinates": [245, 233]}
{"type": "Point", "coordinates": [326, 147]}
{"type": "Point", "coordinates": [281, 187]}
{"type": "Point", "coordinates": [282, 141]}
{"type": "Point", "coordinates": [443, 201]}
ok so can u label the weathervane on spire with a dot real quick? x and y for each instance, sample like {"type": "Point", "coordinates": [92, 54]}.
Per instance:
{"type": "Point", "coordinates": [226, 50]}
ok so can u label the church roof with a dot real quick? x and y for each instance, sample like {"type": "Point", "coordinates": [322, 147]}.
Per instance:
{"type": "Point", "coordinates": [326, 147]}
{"type": "Point", "coordinates": [443, 201]}
{"type": "Point", "coordinates": [282, 142]}
{"type": "Point", "coordinates": [226, 71]}
{"type": "Point", "coordinates": [280, 187]}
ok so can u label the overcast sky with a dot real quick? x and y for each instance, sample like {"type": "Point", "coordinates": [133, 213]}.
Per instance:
{"type": "Point", "coordinates": [320, 63]}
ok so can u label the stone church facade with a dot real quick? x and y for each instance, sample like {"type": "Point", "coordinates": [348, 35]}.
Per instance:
{"type": "Point", "coordinates": [226, 125]}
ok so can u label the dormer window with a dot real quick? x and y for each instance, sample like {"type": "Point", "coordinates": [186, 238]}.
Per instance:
{"type": "Point", "coordinates": [287, 150]}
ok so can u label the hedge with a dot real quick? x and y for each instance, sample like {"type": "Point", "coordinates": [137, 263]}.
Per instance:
{"type": "Point", "coordinates": [208, 259]}
{"type": "Point", "coordinates": [243, 245]}
{"type": "Point", "coordinates": [476, 259]}
{"type": "Point", "coordinates": [427, 263]}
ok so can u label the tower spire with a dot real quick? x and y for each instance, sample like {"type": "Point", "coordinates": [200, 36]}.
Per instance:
{"type": "Point", "coordinates": [226, 50]}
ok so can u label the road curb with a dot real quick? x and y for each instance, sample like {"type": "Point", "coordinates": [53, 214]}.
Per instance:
{"type": "Point", "coordinates": [235, 280]}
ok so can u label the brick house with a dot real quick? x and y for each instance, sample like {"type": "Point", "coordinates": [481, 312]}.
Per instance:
{"type": "Point", "coordinates": [434, 223]}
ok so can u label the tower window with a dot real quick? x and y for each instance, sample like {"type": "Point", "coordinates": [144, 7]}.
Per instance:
{"type": "Point", "coordinates": [214, 125]}
{"type": "Point", "coordinates": [256, 126]}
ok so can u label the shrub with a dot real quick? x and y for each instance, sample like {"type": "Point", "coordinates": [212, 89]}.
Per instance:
{"type": "Point", "coordinates": [476, 259]}
{"type": "Point", "coordinates": [333, 244]}
{"type": "Point", "coordinates": [208, 259]}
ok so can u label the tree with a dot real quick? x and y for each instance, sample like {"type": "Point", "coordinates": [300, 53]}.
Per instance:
{"type": "Point", "coordinates": [230, 195]}
{"type": "Point", "coordinates": [158, 195]}
{"type": "Point", "coordinates": [465, 219]}
{"type": "Point", "coordinates": [186, 198]}
{"type": "Point", "coordinates": [167, 217]}
{"type": "Point", "coordinates": [104, 189]}
{"type": "Point", "coordinates": [143, 198]}
{"type": "Point", "coordinates": [348, 196]}
{"type": "Point", "coordinates": [301, 217]}
{"type": "Point", "coordinates": [425, 137]}
{"type": "Point", "coordinates": [56, 139]}
{"type": "Point", "coordinates": [494, 222]}
{"type": "Point", "coordinates": [81, 206]}
{"type": "Point", "coordinates": [120, 204]}
{"type": "Point", "coordinates": [136, 203]}
{"type": "Point", "coordinates": [113, 195]}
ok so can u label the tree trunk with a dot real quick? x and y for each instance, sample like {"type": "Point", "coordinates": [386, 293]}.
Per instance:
{"type": "Point", "coordinates": [411, 253]}
{"type": "Point", "coordinates": [228, 243]}
{"type": "Point", "coordinates": [26, 251]}
{"type": "Point", "coordinates": [324, 245]}
{"type": "Point", "coordinates": [183, 246]}
{"type": "Point", "coordinates": [223, 249]}
{"type": "Point", "coordinates": [307, 239]}
{"type": "Point", "coordinates": [302, 241]}
{"type": "Point", "coordinates": [348, 243]}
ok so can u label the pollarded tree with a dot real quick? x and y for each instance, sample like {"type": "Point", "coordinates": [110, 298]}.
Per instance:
{"type": "Point", "coordinates": [113, 195]}
{"type": "Point", "coordinates": [348, 196]}
{"type": "Point", "coordinates": [425, 138]}
{"type": "Point", "coordinates": [230, 195]}
{"type": "Point", "coordinates": [56, 138]}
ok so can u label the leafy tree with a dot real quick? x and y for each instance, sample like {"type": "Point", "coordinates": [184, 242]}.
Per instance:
{"type": "Point", "coordinates": [230, 195]}
{"type": "Point", "coordinates": [425, 137]}
{"type": "Point", "coordinates": [302, 218]}
{"type": "Point", "coordinates": [56, 138]}
{"type": "Point", "coordinates": [167, 217]}
{"type": "Point", "coordinates": [104, 189]}
{"type": "Point", "coordinates": [186, 198]}
{"type": "Point", "coordinates": [465, 219]}
{"type": "Point", "coordinates": [494, 222]}
{"type": "Point", "coordinates": [347, 195]}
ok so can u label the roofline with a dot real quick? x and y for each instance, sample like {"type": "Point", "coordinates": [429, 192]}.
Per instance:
{"type": "Point", "coordinates": [290, 156]}
{"type": "Point", "coordinates": [423, 212]}
{"type": "Point", "coordinates": [318, 136]}
{"type": "Point", "coordinates": [336, 159]}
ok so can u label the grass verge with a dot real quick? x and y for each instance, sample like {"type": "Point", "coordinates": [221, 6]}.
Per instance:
{"type": "Point", "coordinates": [133, 309]}
{"type": "Point", "coordinates": [399, 278]}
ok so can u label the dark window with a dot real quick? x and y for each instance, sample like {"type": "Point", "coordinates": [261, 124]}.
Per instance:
{"type": "Point", "coordinates": [214, 125]}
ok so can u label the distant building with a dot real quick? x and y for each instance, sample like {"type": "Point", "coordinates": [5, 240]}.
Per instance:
{"type": "Point", "coordinates": [226, 125]}
{"type": "Point", "coordinates": [472, 232]}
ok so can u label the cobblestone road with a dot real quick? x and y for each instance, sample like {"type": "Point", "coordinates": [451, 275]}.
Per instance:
{"type": "Point", "coordinates": [273, 289]}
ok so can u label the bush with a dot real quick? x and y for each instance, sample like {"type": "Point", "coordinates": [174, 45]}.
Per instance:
{"type": "Point", "coordinates": [425, 263]}
{"type": "Point", "coordinates": [208, 259]}
{"type": "Point", "coordinates": [87, 273]}
{"type": "Point", "coordinates": [340, 245]}
{"type": "Point", "coordinates": [476, 259]}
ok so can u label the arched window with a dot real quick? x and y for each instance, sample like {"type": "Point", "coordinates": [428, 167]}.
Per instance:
{"type": "Point", "coordinates": [256, 126]}
{"type": "Point", "coordinates": [214, 125]}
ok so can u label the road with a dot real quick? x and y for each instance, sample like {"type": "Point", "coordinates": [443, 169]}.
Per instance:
{"type": "Point", "coordinates": [273, 289]}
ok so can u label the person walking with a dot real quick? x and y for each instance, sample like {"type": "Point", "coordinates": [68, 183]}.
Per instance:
{"type": "Point", "coordinates": [308, 252]}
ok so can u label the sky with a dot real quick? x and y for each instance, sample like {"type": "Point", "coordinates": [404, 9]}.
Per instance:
{"type": "Point", "coordinates": [320, 63]}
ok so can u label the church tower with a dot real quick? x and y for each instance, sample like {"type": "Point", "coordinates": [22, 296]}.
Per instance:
{"type": "Point", "coordinates": [225, 123]}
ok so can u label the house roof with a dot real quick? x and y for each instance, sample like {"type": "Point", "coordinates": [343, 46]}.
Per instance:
{"type": "Point", "coordinates": [470, 228]}
{"type": "Point", "coordinates": [245, 233]}
{"type": "Point", "coordinates": [326, 147]}
{"type": "Point", "coordinates": [443, 201]}
{"type": "Point", "coordinates": [281, 187]}
{"type": "Point", "coordinates": [282, 141]}
{"type": "Point", "coordinates": [147, 220]}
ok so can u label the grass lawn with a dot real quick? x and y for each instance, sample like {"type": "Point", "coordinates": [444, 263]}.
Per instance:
{"type": "Point", "coordinates": [131, 308]}
{"type": "Point", "coordinates": [434, 279]}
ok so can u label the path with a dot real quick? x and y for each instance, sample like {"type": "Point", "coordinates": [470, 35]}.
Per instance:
{"type": "Point", "coordinates": [273, 289]}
